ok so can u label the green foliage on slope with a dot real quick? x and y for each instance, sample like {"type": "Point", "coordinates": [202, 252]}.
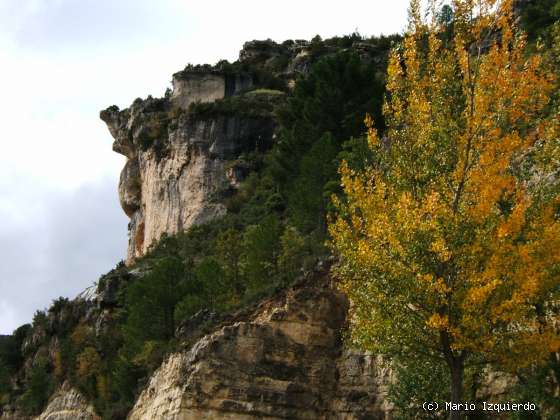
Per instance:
{"type": "Point", "coordinates": [39, 387]}
{"type": "Point", "coordinates": [538, 17]}
{"type": "Point", "coordinates": [274, 231]}
{"type": "Point", "coordinates": [11, 359]}
{"type": "Point", "coordinates": [326, 110]}
{"type": "Point", "coordinates": [257, 103]}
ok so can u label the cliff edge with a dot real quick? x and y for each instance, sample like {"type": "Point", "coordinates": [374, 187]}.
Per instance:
{"type": "Point", "coordinates": [179, 162]}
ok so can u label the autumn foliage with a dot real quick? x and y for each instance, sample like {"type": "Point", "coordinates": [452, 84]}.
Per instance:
{"type": "Point", "coordinates": [449, 248]}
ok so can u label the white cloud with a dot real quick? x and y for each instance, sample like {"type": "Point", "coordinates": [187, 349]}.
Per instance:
{"type": "Point", "coordinates": [61, 62]}
{"type": "Point", "coordinates": [9, 320]}
{"type": "Point", "coordinates": [58, 249]}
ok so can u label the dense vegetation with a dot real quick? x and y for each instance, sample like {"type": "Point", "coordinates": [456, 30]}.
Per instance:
{"type": "Point", "coordinates": [538, 19]}
{"type": "Point", "coordinates": [323, 118]}
{"type": "Point", "coordinates": [256, 103]}
{"type": "Point", "coordinates": [276, 229]}
{"type": "Point", "coordinates": [11, 357]}
{"type": "Point", "coordinates": [448, 239]}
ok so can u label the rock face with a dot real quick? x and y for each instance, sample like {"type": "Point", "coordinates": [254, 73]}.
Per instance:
{"type": "Point", "coordinates": [176, 167]}
{"type": "Point", "coordinates": [177, 163]}
{"type": "Point", "coordinates": [68, 404]}
{"type": "Point", "coordinates": [287, 361]}
{"type": "Point", "coordinates": [196, 86]}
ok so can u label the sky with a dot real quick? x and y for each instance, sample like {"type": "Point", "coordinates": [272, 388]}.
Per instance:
{"type": "Point", "coordinates": [61, 62]}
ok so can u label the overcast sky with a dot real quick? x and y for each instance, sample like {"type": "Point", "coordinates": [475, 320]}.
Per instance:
{"type": "Point", "coordinates": [61, 62]}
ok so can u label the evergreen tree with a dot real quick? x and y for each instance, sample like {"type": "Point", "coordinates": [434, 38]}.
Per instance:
{"type": "Point", "coordinates": [151, 301]}
{"type": "Point", "coordinates": [538, 17]}
{"type": "Point", "coordinates": [310, 194]}
{"type": "Point", "coordinates": [213, 282]}
{"type": "Point", "coordinates": [229, 248]}
{"type": "Point", "coordinates": [261, 243]}
{"type": "Point", "coordinates": [327, 108]}
{"type": "Point", "coordinates": [39, 387]}
{"type": "Point", "coordinates": [293, 251]}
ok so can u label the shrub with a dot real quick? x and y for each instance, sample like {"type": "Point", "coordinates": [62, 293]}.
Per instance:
{"type": "Point", "coordinates": [39, 388]}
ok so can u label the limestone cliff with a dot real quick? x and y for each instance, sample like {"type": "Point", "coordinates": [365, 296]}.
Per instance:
{"type": "Point", "coordinates": [68, 404]}
{"type": "Point", "coordinates": [281, 358]}
{"type": "Point", "coordinates": [285, 361]}
{"type": "Point", "coordinates": [177, 162]}
{"type": "Point", "coordinates": [181, 149]}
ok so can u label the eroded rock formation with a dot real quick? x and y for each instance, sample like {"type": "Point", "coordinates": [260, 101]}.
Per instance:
{"type": "Point", "coordinates": [285, 362]}
{"type": "Point", "coordinates": [176, 161]}
{"type": "Point", "coordinates": [68, 404]}
{"type": "Point", "coordinates": [177, 157]}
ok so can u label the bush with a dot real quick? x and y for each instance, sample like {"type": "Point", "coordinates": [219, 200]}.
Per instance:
{"type": "Point", "coordinates": [416, 382]}
{"type": "Point", "coordinates": [11, 356]}
{"type": "Point", "coordinates": [261, 243]}
{"type": "Point", "coordinates": [151, 301]}
{"type": "Point", "coordinates": [5, 386]}
{"type": "Point", "coordinates": [213, 283]}
{"type": "Point", "coordinates": [248, 105]}
{"type": "Point", "coordinates": [189, 306]}
{"type": "Point", "coordinates": [39, 388]}
{"type": "Point", "coordinates": [293, 246]}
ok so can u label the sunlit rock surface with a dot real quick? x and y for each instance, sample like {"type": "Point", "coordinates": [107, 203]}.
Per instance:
{"type": "Point", "coordinates": [68, 404]}
{"type": "Point", "coordinates": [176, 170]}
{"type": "Point", "coordinates": [286, 361]}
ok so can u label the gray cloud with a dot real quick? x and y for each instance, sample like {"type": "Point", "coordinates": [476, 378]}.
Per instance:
{"type": "Point", "coordinates": [78, 236]}
{"type": "Point", "coordinates": [62, 60]}
{"type": "Point", "coordinates": [60, 24]}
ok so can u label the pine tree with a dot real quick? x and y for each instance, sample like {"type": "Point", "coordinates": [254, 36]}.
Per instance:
{"type": "Point", "coordinates": [151, 302]}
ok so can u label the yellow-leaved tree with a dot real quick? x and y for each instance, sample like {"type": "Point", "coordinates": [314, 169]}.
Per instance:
{"type": "Point", "coordinates": [446, 248]}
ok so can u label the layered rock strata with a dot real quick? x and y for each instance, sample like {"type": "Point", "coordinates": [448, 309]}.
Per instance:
{"type": "Point", "coordinates": [207, 86]}
{"type": "Point", "coordinates": [285, 362]}
{"type": "Point", "coordinates": [68, 404]}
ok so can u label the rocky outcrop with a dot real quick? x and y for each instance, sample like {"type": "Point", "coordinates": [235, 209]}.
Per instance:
{"type": "Point", "coordinates": [191, 86]}
{"type": "Point", "coordinates": [11, 413]}
{"type": "Point", "coordinates": [176, 167]}
{"type": "Point", "coordinates": [68, 404]}
{"type": "Point", "coordinates": [362, 386]}
{"type": "Point", "coordinates": [287, 361]}
{"type": "Point", "coordinates": [282, 358]}
{"type": "Point", "coordinates": [197, 87]}
{"type": "Point", "coordinates": [178, 146]}
{"type": "Point", "coordinates": [65, 404]}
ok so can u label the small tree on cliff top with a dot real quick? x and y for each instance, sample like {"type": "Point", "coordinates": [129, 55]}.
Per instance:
{"type": "Point", "coordinates": [444, 250]}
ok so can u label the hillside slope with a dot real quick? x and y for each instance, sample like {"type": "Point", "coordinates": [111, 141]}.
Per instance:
{"type": "Point", "coordinates": [225, 280]}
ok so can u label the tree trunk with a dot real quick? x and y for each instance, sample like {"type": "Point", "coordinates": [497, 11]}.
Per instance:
{"type": "Point", "coordinates": [457, 368]}
{"type": "Point", "coordinates": [456, 364]}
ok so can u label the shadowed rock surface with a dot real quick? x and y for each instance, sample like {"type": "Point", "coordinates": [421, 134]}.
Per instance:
{"type": "Point", "coordinates": [176, 167]}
